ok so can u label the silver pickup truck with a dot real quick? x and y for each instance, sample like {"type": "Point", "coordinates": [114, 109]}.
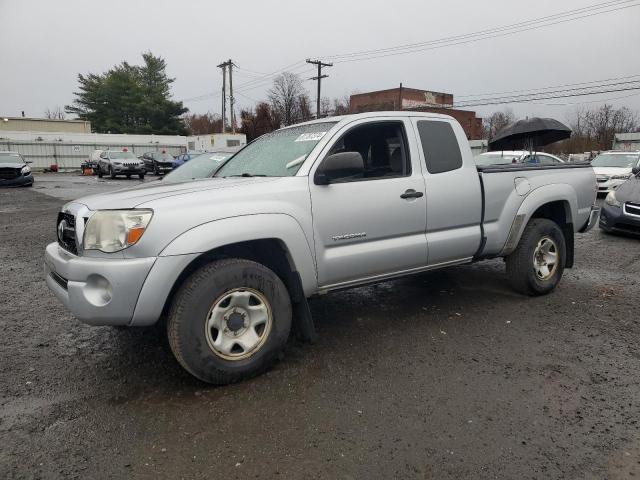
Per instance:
{"type": "Point", "coordinates": [229, 262]}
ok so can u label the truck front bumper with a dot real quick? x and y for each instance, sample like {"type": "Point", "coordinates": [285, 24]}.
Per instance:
{"type": "Point", "coordinates": [97, 291]}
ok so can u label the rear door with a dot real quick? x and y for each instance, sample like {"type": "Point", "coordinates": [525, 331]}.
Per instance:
{"type": "Point", "coordinates": [454, 198]}
{"type": "Point", "coordinates": [369, 227]}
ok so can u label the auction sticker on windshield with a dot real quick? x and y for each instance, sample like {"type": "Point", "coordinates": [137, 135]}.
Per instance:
{"type": "Point", "coordinates": [310, 137]}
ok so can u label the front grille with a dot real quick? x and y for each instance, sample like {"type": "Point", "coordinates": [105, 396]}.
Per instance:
{"type": "Point", "coordinates": [632, 208]}
{"type": "Point", "coordinates": [66, 229]}
{"type": "Point", "coordinates": [7, 173]}
{"type": "Point", "coordinates": [130, 164]}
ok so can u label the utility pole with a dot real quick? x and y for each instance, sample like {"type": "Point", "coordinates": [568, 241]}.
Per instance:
{"type": "Point", "coordinates": [231, 99]}
{"type": "Point", "coordinates": [223, 66]}
{"type": "Point", "coordinates": [319, 78]}
{"type": "Point", "coordinates": [229, 63]}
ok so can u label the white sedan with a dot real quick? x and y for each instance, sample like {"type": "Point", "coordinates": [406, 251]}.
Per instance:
{"type": "Point", "coordinates": [517, 156]}
{"type": "Point", "coordinates": [613, 168]}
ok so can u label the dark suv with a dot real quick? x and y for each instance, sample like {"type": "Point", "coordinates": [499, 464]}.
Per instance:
{"type": "Point", "coordinates": [158, 162]}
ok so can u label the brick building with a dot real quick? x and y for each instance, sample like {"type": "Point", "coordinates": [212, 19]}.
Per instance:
{"type": "Point", "coordinates": [403, 98]}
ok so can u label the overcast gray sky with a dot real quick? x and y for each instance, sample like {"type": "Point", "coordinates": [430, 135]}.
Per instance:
{"type": "Point", "coordinates": [44, 44]}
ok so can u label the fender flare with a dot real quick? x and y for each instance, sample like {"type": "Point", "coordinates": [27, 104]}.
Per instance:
{"type": "Point", "coordinates": [556, 192]}
{"type": "Point", "coordinates": [219, 233]}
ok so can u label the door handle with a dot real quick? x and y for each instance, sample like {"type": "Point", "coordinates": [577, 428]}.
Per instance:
{"type": "Point", "coordinates": [411, 193]}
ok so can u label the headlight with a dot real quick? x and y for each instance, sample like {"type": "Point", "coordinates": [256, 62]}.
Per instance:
{"type": "Point", "coordinates": [25, 170]}
{"type": "Point", "coordinates": [114, 230]}
{"type": "Point", "coordinates": [612, 200]}
{"type": "Point", "coordinates": [626, 176]}
{"type": "Point", "coordinates": [117, 163]}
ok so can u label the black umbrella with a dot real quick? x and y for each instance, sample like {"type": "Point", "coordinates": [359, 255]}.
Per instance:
{"type": "Point", "coordinates": [529, 134]}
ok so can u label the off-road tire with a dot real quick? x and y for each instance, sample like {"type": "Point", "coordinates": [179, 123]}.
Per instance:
{"type": "Point", "coordinates": [520, 263]}
{"type": "Point", "coordinates": [191, 305]}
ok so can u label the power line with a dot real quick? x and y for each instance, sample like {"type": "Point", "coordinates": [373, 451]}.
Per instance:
{"type": "Point", "coordinates": [464, 39]}
{"type": "Point", "coordinates": [547, 88]}
{"type": "Point", "coordinates": [513, 98]}
{"type": "Point", "coordinates": [550, 97]}
{"type": "Point", "coordinates": [480, 32]}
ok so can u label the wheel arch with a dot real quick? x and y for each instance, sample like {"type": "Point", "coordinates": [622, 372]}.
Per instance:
{"type": "Point", "coordinates": [556, 202]}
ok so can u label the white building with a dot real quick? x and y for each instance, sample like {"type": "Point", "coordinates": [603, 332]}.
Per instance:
{"type": "Point", "coordinates": [626, 141]}
{"type": "Point", "coordinates": [216, 140]}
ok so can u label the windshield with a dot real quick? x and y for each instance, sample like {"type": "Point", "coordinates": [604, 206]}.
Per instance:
{"type": "Point", "coordinates": [10, 158]}
{"type": "Point", "coordinates": [123, 155]}
{"type": "Point", "coordinates": [496, 158]}
{"type": "Point", "coordinates": [277, 154]}
{"type": "Point", "coordinates": [615, 160]}
{"type": "Point", "coordinates": [200, 166]}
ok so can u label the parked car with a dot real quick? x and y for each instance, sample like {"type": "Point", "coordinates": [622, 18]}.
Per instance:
{"type": "Point", "coordinates": [613, 168]}
{"type": "Point", "coordinates": [120, 162]}
{"type": "Point", "coordinates": [184, 157]}
{"type": "Point", "coordinates": [201, 166]}
{"type": "Point", "coordinates": [14, 170]}
{"type": "Point", "coordinates": [517, 156]}
{"type": "Point", "coordinates": [621, 209]}
{"type": "Point", "coordinates": [158, 162]}
{"type": "Point", "coordinates": [320, 206]}
{"type": "Point", "coordinates": [94, 159]}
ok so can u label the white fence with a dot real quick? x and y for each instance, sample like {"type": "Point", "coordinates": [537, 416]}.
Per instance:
{"type": "Point", "coordinates": [71, 155]}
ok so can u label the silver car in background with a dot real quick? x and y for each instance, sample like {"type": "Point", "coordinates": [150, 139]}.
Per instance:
{"type": "Point", "coordinates": [613, 168]}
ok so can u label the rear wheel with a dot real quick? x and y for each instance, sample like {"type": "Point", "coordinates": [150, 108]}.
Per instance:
{"type": "Point", "coordinates": [229, 321]}
{"type": "Point", "coordinates": [535, 267]}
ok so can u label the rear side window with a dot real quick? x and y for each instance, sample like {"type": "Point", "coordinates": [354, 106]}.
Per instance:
{"type": "Point", "coordinates": [440, 146]}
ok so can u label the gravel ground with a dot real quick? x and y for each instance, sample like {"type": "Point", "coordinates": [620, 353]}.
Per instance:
{"type": "Point", "coordinates": [442, 375]}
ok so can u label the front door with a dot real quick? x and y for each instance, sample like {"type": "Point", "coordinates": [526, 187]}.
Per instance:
{"type": "Point", "coordinates": [373, 224]}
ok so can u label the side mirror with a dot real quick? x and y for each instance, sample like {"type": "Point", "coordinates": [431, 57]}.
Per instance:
{"type": "Point", "coordinates": [635, 170]}
{"type": "Point", "coordinates": [339, 165]}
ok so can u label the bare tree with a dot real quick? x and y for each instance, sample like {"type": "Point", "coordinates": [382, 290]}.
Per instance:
{"type": "Point", "coordinates": [497, 121]}
{"type": "Point", "coordinates": [203, 124]}
{"type": "Point", "coordinates": [285, 96]}
{"type": "Point", "coordinates": [55, 113]}
{"type": "Point", "coordinates": [595, 128]}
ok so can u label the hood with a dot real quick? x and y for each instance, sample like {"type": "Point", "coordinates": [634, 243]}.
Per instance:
{"type": "Point", "coordinates": [629, 191]}
{"type": "Point", "coordinates": [12, 165]}
{"type": "Point", "coordinates": [157, 190]}
{"type": "Point", "coordinates": [611, 170]}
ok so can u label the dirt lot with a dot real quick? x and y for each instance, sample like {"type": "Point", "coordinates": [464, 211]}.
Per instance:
{"type": "Point", "coordinates": [441, 375]}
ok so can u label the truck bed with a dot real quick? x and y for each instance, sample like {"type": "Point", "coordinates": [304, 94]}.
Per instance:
{"type": "Point", "coordinates": [506, 187]}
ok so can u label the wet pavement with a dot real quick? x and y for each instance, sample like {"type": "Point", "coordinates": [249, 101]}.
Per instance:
{"type": "Point", "coordinates": [443, 375]}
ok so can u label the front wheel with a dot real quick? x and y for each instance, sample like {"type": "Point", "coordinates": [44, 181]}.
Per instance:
{"type": "Point", "coordinates": [141, 176]}
{"type": "Point", "coordinates": [229, 321]}
{"type": "Point", "coordinates": [112, 174]}
{"type": "Point", "coordinates": [535, 267]}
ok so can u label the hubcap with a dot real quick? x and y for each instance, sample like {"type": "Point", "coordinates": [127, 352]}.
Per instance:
{"type": "Point", "coordinates": [238, 323]}
{"type": "Point", "coordinates": [545, 258]}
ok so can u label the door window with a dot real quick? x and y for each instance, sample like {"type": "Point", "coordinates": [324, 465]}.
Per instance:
{"type": "Point", "coordinates": [383, 147]}
{"type": "Point", "coordinates": [440, 146]}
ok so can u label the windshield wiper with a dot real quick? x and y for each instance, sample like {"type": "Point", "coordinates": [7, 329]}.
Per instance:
{"type": "Point", "coordinates": [247, 175]}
